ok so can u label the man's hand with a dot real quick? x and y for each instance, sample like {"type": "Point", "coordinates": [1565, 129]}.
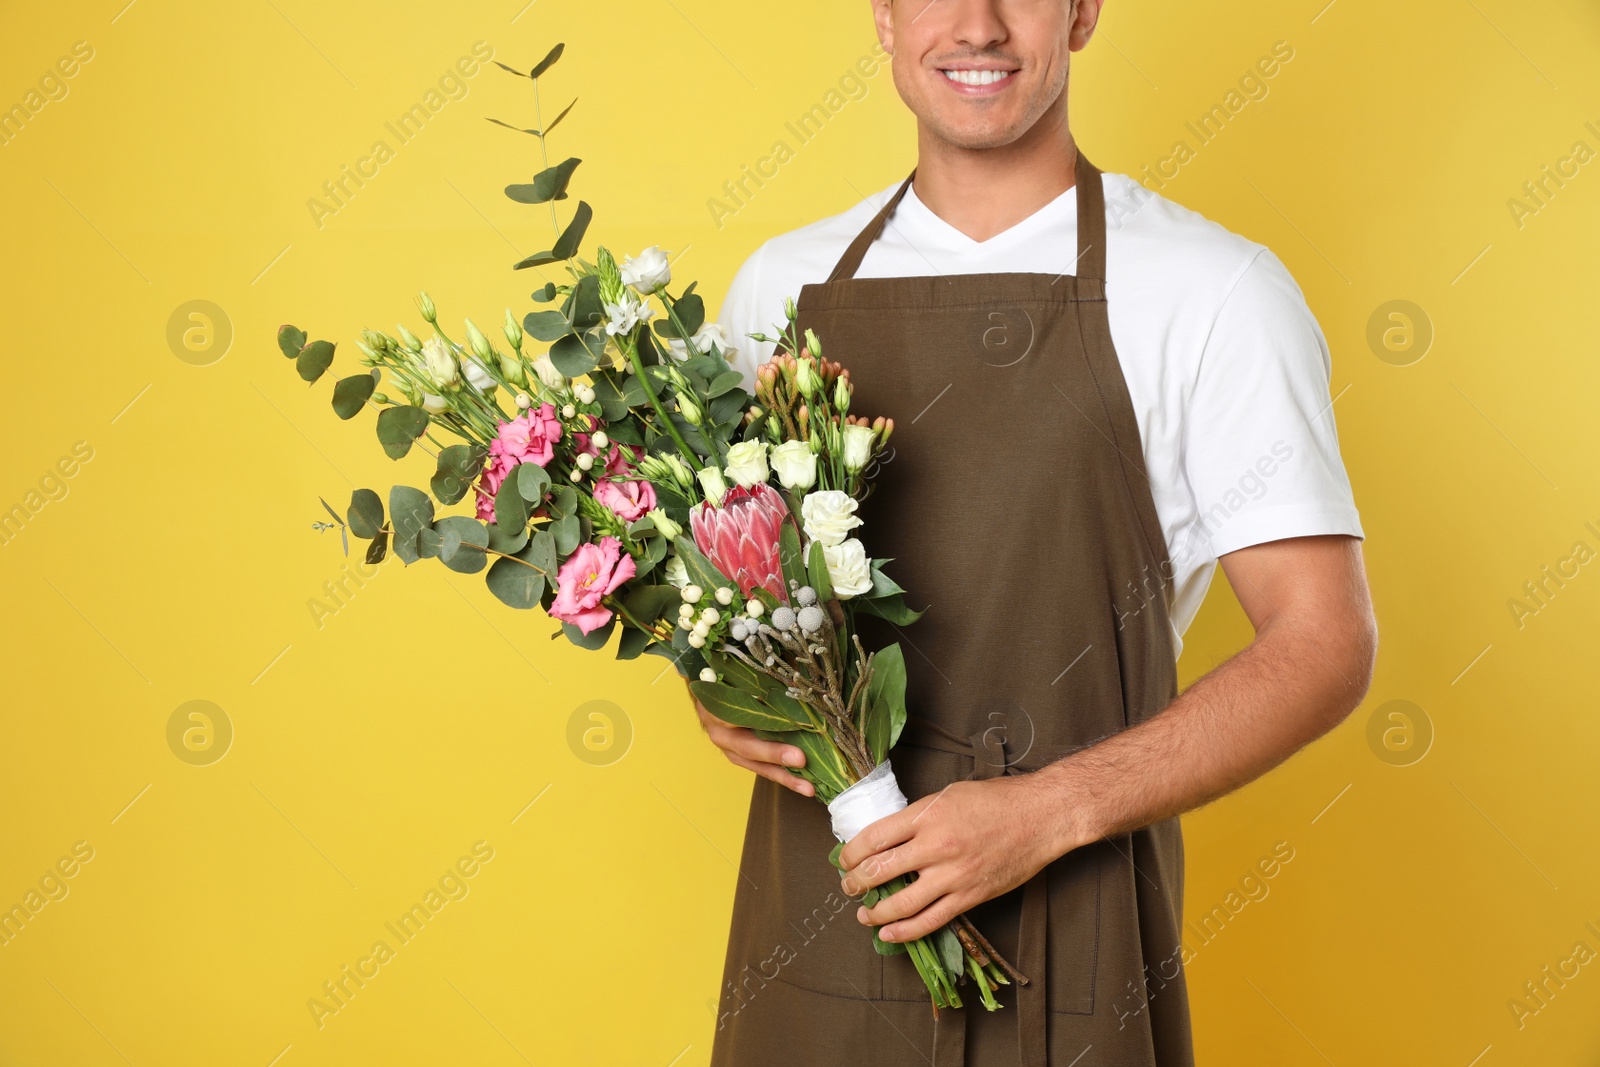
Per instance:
{"type": "Point", "coordinates": [1307, 668]}
{"type": "Point", "coordinates": [770, 759]}
{"type": "Point", "coordinates": [968, 843]}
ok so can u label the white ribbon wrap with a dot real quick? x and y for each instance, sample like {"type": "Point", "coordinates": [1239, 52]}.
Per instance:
{"type": "Point", "coordinates": [872, 798]}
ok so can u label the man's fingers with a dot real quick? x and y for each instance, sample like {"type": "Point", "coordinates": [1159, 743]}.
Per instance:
{"type": "Point", "coordinates": [772, 771]}
{"type": "Point", "coordinates": [904, 904]}
{"type": "Point", "coordinates": [747, 744]}
{"type": "Point", "coordinates": [926, 921]}
{"type": "Point", "coordinates": [879, 868]}
{"type": "Point", "coordinates": [882, 835]}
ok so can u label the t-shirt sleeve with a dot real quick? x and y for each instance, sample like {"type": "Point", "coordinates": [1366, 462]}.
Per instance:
{"type": "Point", "coordinates": [749, 309]}
{"type": "Point", "coordinates": [1260, 448]}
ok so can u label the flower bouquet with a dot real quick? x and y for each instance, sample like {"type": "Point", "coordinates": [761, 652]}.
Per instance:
{"type": "Point", "coordinates": [625, 481]}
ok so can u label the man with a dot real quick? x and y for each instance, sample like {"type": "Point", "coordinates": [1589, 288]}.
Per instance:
{"type": "Point", "coordinates": [1098, 395]}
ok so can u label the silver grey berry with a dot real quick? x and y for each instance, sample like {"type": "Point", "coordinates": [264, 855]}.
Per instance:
{"type": "Point", "coordinates": [811, 619]}
{"type": "Point", "coordinates": [806, 595]}
{"type": "Point", "coordinates": [783, 617]}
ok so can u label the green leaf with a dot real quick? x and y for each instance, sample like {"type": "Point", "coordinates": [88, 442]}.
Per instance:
{"type": "Point", "coordinates": [291, 339]}
{"type": "Point", "coordinates": [792, 562]}
{"type": "Point", "coordinates": [787, 706]}
{"type": "Point", "coordinates": [510, 510]}
{"type": "Point", "coordinates": [329, 509]}
{"type": "Point", "coordinates": [520, 582]}
{"type": "Point", "coordinates": [567, 244]}
{"type": "Point", "coordinates": [648, 603]}
{"type": "Point", "coordinates": [951, 954]}
{"type": "Point", "coordinates": [557, 120]}
{"type": "Point", "coordinates": [398, 427]}
{"type": "Point", "coordinates": [613, 404]}
{"type": "Point", "coordinates": [510, 544]}
{"type": "Point", "coordinates": [379, 548]}
{"type": "Point", "coordinates": [366, 513]}
{"type": "Point", "coordinates": [584, 306]}
{"type": "Point", "coordinates": [701, 571]}
{"type": "Point", "coordinates": [545, 293]}
{"type": "Point", "coordinates": [566, 533]}
{"type": "Point", "coordinates": [595, 640]}
{"type": "Point", "coordinates": [548, 61]}
{"type": "Point", "coordinates": [350, 394]}
{"type": "Point", "coordinates": [549, 184]}
{"type": "Point", "coordinates": [563, 502]}
{"type": "Point", "coordinates": [817, 573]}
{"type": "Point", "coordinates": [314, 359]}
{"type": "Point", "coordinates": [546, 325]}
{"type": "Point", "coordinates": [893, 608]}
{"type": "Point", "coordinates": [411, 512]}
{"type": "Point", "coordinates": [577, 354]}
{"type": "Point", "coordinates": [632, 643]}
{"type": "Point", "coordinates": [882, 584]}
{"type": "Point", "coordinates": [723, 382]}
{"type": "Point", "coordinates": [738, 707]}
{"type": "Point", "coordinates": [731, 670]}
{"type": "Point", "coordinates": [533, 481]}
{"type": "Point", "coordinates": [541, 552]}
{"type": "Point", "coordinates": [691, 312]}
{"type": "Point", "coordinates": [886, 701]}
{"type": "Point", "coordinates": [458, 467]}
{"type": "Point", "coordinates": [462, 543]}
{"type": "Point", "coordinates": [429, 542]}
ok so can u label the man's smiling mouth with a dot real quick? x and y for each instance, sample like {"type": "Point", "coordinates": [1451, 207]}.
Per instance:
{"type": "Point", "coordinates": [977, 77]}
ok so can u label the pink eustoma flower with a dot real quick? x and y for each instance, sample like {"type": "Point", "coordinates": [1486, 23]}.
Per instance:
{"type": "Point", "coordinates": [741, 537]}
{"type": "Point", "coordinates": [590, 574]}
{"type": "Point", "coordinates": [529, 438]}
{"type": "Point", "coordinates": [628, 500]}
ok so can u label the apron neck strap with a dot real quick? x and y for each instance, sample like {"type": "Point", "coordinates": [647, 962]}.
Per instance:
{"type": "Point", "coordinates": [1091, 259]}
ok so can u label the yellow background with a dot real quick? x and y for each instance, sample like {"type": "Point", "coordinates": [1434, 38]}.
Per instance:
{"type": "Point", "coordinates": [371, 751]}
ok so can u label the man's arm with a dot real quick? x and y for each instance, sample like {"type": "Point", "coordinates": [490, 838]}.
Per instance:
{"type": "Point", "coordinates": [1307, 668]}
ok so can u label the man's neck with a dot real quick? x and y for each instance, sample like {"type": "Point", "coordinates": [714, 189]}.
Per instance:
{"type": "Point", "coordinates": [984, 192]}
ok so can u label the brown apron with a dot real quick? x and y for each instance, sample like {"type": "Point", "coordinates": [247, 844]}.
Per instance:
{"type": "Point", "coordinates": [1017, 508]}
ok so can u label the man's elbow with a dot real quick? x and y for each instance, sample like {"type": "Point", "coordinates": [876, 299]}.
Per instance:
{"type": "Point", "coordinates": [1355, 660]}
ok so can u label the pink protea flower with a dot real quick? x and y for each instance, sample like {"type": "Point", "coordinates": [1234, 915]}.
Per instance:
{"type": "Point", "coordinates": [529, 438]}
{"type": "Point", "coordinates": [591, 573]}
{"type": "Point", "coordinates": [628, 500]}
{"type": "Point", "coordinates": [741, 537]}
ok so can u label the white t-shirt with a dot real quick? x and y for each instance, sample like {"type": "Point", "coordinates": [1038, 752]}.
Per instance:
{"type": "Point", "coordinates": [1227, 368]}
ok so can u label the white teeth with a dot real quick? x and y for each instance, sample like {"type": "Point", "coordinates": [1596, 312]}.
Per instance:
{"type": "Point", "coordinates": [977, 77]}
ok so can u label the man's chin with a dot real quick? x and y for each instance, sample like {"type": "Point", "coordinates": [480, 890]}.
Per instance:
{"type": "Point", "coordinates": [976, 137]}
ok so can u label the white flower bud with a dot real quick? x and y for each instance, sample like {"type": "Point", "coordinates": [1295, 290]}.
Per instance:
{"type": "Point", "coordinates": [696, 641]}
{"type": "Point", "coordinates": [724, 595]}
{"type": "Point", "coordinates": [524, 401]}
{"type": "Point", "coordinates": [568, 411]}
{"type": "Point", "coordinates": [599, 436]}
{"type": "Point", "coordinates": [755, 608]}
{"type": "Point", "coordinates": [585, 461]}
{"type": "Point", "coordinates": [711, 616]}
{"type": "Point", "coordinates": [707, 674]}
{"type": "Point", "coordinates": [692, 594]}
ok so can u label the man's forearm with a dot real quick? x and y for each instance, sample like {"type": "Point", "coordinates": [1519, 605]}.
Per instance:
{"type": "Point", "coordinates": [1284, 690]}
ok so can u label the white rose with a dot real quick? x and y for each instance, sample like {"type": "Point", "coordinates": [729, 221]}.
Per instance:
{"type": "Point", "coordinates": [747, 463]}
{"type": "Point", "coordinates": [709, 334]}
{"type": "Point", "coordinates": [848, 569]}
{"type": "Point", "coordinates": [676, 573]}
{"type": "Point", "coordinates": [796, 465]}
{"type": "Point", "coordinates": [477, 375]}
{"type": "Point", "coordinates": [648, 271]}
{"type": "Point", "coordinates": [857, 446]}
{"type": "Point", "coordinates": [433, 405]}
{"type": "Point", "coordinates": [439, 363]}
{"type": "Point", "coordinates": [829, 516]}
{"type": "Point", "coordinates": [552, 378]}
